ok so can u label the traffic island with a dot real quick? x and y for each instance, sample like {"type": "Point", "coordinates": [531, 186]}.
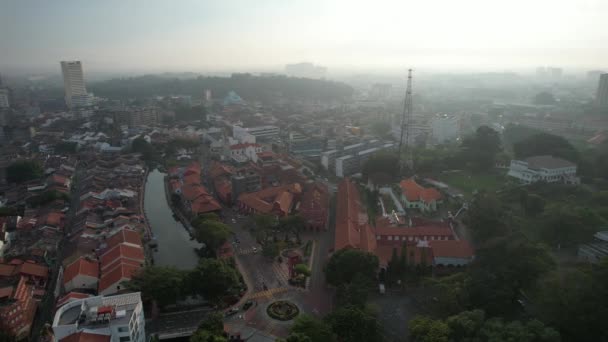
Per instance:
{"type": "Point", "coordinates": [283, 310]}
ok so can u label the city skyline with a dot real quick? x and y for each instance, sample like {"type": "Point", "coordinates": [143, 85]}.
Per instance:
{"type": "Point", "coordinates": [216, 36]}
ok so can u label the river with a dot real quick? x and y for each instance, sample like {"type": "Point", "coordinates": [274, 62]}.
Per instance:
{"type": "Point", "coordinates": [174, 245]}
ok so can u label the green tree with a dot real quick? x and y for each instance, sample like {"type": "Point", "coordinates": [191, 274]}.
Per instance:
{"type": "Point", "coordinates": [481, 148]}
{"type": "Point", "coordinates": [66, 147]}
{"type": "Point", "coordinates": [486, 218]}
{"type": "Point", "coordinates": [210, 232]}
{"type": "Point", "coordinates": [426, 329]}
{"type": "Point", "coordinates": [466, 324]}
{"type": "Point", "coordinates": [569, 225]}
{"type": "Point", "coordinates": [213, 278]}
{"type": "Point", "coordinates": [354, 293]}
{"type": "Point", "coordinates": [23, 171]}
{"type": "Point", "coordinates": [140, 145]}
{"type": "Point", "coordinates": [496, 283]}
{"type": "Point", "coordinates": [163, 284]}
{"type": "Point", "coordinates": [354, 324]}
{"type": "Point", "coordinates": [345, 264]}
{"type": "Point", "coordinates": [270, 249]}
{"type": "Point", "coordinates": [211, 329]}
{"type": "Point", "coordinates": [380, 128]}
{"type": "Point", "coordinates": [314, 329]}
{"type": "Point", "coordinates": [575, 301]}
{"type": "Point", "coordinates": [546, 144]}
{"type": "Point", "coordinates": [302, 269]}
{"type": "Point", "coordinates": [294, 224]}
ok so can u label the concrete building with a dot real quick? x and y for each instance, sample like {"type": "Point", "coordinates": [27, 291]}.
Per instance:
{"type": "Point", "coordinates": [444, 128]}
{"type": "Point", "coordinates": [73, 81]}
{"type": "Point", "coordinates": [543, 168]}
{"type": "Point", "coordinates": [245, 181]}
{"type": "Point", "coordinates": [593, 252]}
{"type": "Point", "coordinates": [346, 165]}
{"type": "Point", "coordinates": [307, 146]}
{"type": "Point", "coordinates": [601, 97]}
{"type": "Point", "coordinates": [117, 318]}
{"type": "Point", "coordinates": [260, 132]}
{"type": "Point", "coordinates": [4, 98]}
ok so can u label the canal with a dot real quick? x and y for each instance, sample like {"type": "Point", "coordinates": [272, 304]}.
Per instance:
{"type": "Point", "coordinates": [174, 245]}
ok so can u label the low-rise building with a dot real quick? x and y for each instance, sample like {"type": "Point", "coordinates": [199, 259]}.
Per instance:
{"type": "Point", "coordinates": [416, 196]}
{"type": "Point", "coordinates": [118, 318]}
{"type": "Point", "coordinates": [81, 274]}
{"type": "Point", "coordinates": [543, 169]}
{"type": "Point", "coordinates": [17, 308]}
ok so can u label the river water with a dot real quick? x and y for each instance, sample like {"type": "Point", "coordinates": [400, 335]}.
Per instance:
{"type": "Point", "coordinates": [174, 245]}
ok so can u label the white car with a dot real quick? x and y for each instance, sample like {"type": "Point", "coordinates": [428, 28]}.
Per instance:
{"type": "Point", "coordinates": [255, 249]}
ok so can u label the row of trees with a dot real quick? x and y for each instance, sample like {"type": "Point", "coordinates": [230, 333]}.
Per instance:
{"type": "Point", "coordinates": [274, 234]}
{"type": "Point", "coordinates": [23, 171]}
{"type": "Point", "coordinates": [211, 279]}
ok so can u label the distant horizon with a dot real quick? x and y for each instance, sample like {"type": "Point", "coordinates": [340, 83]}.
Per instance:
{"type": "Point", "coordinates": [344, 35]}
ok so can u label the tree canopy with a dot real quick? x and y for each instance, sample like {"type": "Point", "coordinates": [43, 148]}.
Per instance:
{"type": "Point", "coordinates": [211, 232]}
{"type": "Point", "coordinates": [481, 148]}
{"type": "Point", "coordinates": [345, 264]}
{"type": "Point", "coordinates": [385, 162]}
{"type": "Point", "coordinates": [545, 144]}
{"type": "Point", "coordinates": [211, 329]}
{"type": "Point", "coordinates": [160, 283]}
{"type": "Point", "coordinates": [213, 278]}
{"type": "Point", "coordinates": [23, 171]}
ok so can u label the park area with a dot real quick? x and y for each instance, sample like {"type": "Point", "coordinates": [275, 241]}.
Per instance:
{"type": "Point", "coordinates": [468, 182]}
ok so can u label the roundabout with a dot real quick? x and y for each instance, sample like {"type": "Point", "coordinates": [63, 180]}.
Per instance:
{"type": "Point", "coordinates": [282, 310]}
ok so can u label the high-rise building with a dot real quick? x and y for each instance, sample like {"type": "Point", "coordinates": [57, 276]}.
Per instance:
{"type": "Point", "coordinates": [4, 95]}
{"type": "Point", "coordinates": [102, 318]}
{"type": "Point", "coordinates": [602, 91]}
{"type": "Point", "coordinates": [73, 80]}
{"type": "Point", "coordinates": [444, 128]}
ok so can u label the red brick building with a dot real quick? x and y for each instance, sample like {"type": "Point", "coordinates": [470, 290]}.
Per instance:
{"type": "Point", "coordinates": [314, 205]}
{"type": "Point", "coordinates": [17, 308]}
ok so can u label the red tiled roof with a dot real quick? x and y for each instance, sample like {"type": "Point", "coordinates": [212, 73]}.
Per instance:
{"type": "Point", "coordinates": [193, 168]}
{"type": "Point", "coordinates": [273, 198]}
{"type": "Point", "coordinates": [58, 179]}
{"type": "Point", "coordinates": [124, 236]}
{"type": "Point", "coordinates": [416, 192]}
{"type": "Point", "coordinates": [6, 292]}
{"type": "Point", "coordinates": [122, 251]}
{"type": "Point", "coordinates": [55, 219]}
{"type": "Point", "coordinates": [192, 179]}
{"type": "Point", "coordinates": [7, 270]}
{"type": "Point", "coordinates": [86, 337]}
{"type": "Point", "coordinates": [34, 270]}
{"type": "Point", "coordinates": [219, 169]}
{"type": "Point", "coordinates": [244, 145]}
{"type": "Point", "coordinates": [193, 191]}
{"type": "Point", "coordinates": [122, 272]}
{"type": "Point", "coordinates": [451, 249]}
{"type": "Point", "coordinates": [81, 266]}
{"type": "Point", "coordinates": [352, 229]}
{"type": "Point", "coordinates": [204, 204]}
{"type": "Point", "coordinates": [385, 253]}
{"type": "Point", "coordinates": [384, 227]}
{"type": "Point", "coordinates": [71, 296]}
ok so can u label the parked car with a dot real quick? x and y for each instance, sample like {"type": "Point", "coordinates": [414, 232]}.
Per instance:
{"type": "Point", "coordinates": [232, 312]}
{"type": "Point", "coordinates": [247, 305]}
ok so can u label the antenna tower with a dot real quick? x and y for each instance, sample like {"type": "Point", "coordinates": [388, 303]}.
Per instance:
{"type": "Point", "coordinates": [405, 123]}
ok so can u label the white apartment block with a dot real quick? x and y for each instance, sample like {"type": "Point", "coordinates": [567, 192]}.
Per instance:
{"type": "Point", "coordinates": [119, 317]}
{"type": "Point", "coordinates": [73, 81]}
{"type": "Point", "coordinates": [543, 168]}
{"type": "Point", "coordinates": [444, 128]}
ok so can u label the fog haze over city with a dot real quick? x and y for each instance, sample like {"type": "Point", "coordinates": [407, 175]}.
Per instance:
{"type": "Point", "coordinates": [383, 36]}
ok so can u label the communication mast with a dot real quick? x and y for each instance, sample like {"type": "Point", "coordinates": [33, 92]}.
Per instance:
{"type": "Point", "coordinates": [405, 124]}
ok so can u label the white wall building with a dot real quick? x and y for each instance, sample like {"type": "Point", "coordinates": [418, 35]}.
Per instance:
{"type": "Point", "coordinates": [259, 132]}
{"type": "Point", "coordinates": [73, 80]}
{"type": "Point", "coordinates": [543, 168]}
{"type": "Point", "coordinates": [444, 128]}
{"type": "Point", "coordinates": [119, 317]}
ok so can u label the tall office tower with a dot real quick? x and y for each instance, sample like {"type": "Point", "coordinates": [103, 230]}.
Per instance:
{"type": "Point", "coordinates": [73, 80]}
{"type": "Point", "coordinates": [601, 98]}
{"type": "Point", "coordinates": [4, 97]}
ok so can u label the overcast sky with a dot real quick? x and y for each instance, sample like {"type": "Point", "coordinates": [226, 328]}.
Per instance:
{"type": "Point", "coordinates": [198, 35]}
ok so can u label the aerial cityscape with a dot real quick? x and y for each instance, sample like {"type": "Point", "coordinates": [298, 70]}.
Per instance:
{"type": "Point", "coordinates": [269, 187]}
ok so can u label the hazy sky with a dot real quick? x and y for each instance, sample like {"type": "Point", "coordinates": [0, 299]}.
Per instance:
{"type": "Point", "coordinates": [200, 35]}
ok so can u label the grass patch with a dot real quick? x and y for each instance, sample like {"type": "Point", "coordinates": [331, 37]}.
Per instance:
{"type": "Point", "coordinates": [468, 182]}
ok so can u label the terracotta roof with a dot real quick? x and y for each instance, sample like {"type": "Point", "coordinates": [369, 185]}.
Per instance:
{"type": "Point", "coordinates": [204, 204]}
{"type": "Point", "coordinates": [7, 270]}
{"type": "Point", "coordinates": [58, 179]}
{"type": "Point", "coordinates": [81, 266]}
{"type": "Point", "coordinates": [6, 291]}
{"type": "Point", "coordinates": [70, 297]}
{"type": "Point", "coordinates": [121, 251]}
{"type": "Point", "coordinates": [34, 270]}
{"type": "Point", "coordinates": [122, 272]}
{"type": "Point", "coordinates": [194, 178]}
{"type": "Point", "coordinates": [385, 253]}
{"type": "Point", "coordinates": [219, 169]}
{"type": "Point", "coordinates": [193, 168]}
{"type": "Point", "coordinates": [273, 198]}
{"type": "Point", "coordinates": [451, 249]}
{"type": "Point", "coordinates": [416, 192]}
{"type": "Point", "coordinates": [384, 227]}
{"type": "Point", "coordinates": [124, 236]}
{"type": "Point", "coordinates": [86, 337]}
{"type": "Point", "coordinates": [55, 219]}
{"type": "Point", "coordinates": [244, 145]}
{"type": "Point", "coordinates": [193, 191]}
{"type": "Point", "coordinates": [351, 220]}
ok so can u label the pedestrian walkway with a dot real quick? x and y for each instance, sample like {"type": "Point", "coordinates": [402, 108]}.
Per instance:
{"type": "Point", "coordinates": [281, 273]}
{"type": "Point", "coordinates": [268, 293]}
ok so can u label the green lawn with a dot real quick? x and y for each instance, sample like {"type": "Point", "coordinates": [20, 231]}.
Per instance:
{"type": "Point", "coordinates": [468, 182]}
